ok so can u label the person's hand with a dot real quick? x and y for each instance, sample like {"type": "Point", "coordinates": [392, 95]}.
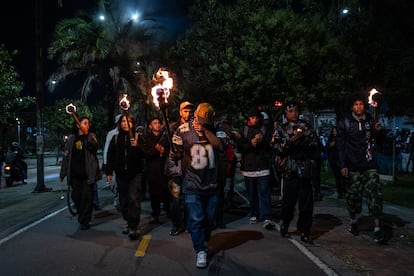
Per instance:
{"type": "Point", "coordinates": [109, 178]}
{"type": "Point", "coordinates": [254, 141]}
{"type": "Point", "coordinates": [134, 142]}
{"type": "Point", "coordinates": [344, 172]}
{"type": "Point", "coordinates": [160, 148]}
{"type": "Point", "coordinates": [378, 127]}
{"type": "Point", "coordinates": [198, 127]}
{"type": "Point", "coordinates": [259, 137]}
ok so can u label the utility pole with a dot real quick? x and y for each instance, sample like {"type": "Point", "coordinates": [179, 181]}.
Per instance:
{"type": "Point", "coordinates": [40, 187]}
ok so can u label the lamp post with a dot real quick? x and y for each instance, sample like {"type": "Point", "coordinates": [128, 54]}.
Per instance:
{"type": "Point", "coordinates": [18, 130]}
{"type": "Point", "coordinates": [40, 186]}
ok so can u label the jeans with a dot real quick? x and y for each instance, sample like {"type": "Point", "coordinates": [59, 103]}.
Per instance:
{"type": "Point", "coordinates": [95, 194]}
{"type": "Point", "coordinates": [201, 211]}
{"type": "Point", "coordinates": [260, 196]}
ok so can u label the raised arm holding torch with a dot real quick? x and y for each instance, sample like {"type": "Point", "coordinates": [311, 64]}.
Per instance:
{"type": "Point", "coordinates": [71, 109]}
{"type": "Point", "coordinates": [375, 100]}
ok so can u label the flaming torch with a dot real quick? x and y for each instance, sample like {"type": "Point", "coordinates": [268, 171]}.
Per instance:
{"type": "Point", "coordinates": [160, 93]}
{"type": "Point", "coordinates": [374, 100]}
{"type": "Point", "coordinates": [71, 109]}
{"type": "Point", "coordinates": [125, 105]}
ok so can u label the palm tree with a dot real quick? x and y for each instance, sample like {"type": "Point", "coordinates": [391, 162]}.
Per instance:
{"type": "Point", "coordinates": [110, 54]}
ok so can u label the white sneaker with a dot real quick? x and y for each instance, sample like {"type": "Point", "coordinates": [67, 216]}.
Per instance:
{"type": "Point", "coordinates": [268, 224]}
{"type": "Point", "coordinates": [253, 220]}
{"type": "Point", "coordinates": [201, 259]}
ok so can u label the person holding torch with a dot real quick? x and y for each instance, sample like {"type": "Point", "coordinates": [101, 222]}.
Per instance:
{"type": "Point", "coordinates": [80, 166]}
{"type": "Point", "coordinates": [126, 158]}
{"type": "Point", "coordinates": [357, 134]}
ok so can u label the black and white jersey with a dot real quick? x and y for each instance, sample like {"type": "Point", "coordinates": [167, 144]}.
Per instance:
{"type": "Point", "coordinates": [199, 161]}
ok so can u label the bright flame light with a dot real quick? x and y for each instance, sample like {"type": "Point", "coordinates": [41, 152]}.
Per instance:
{"type": "Point", "coordinates": [371, 101]}
{"type": "Point", "coordinates": [124, 102]}
{"type": "Point", "coordinates": [70, 108]}
{"type": "Point", "coordinates": [164, 84]}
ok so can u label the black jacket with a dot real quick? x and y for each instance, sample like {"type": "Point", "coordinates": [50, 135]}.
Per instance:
{"type": "Point", "coordinates": [254, 158]}
{"type": "Point", "coordinates": [91, 161]}
{"type": "Point", "coordinates": [125, 160]}
{"type": "Point", "coordinates": [355, 143]}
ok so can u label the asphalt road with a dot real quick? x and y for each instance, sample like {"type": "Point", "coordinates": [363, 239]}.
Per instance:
{"type": "Point", "coordinates": [38, 236]}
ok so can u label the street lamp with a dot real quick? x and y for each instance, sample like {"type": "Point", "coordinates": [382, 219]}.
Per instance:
{"type": "Point", "coordinates": [18, 130]}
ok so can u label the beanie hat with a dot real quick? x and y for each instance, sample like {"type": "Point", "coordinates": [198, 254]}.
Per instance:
{"type": "Point", "coordinates": [254, 111]}
{"type": "Point", "coordinates": [205, 113]}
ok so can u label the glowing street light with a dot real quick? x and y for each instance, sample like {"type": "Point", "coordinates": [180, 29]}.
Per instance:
{"type": "Point", "coordinates": [18, 130]}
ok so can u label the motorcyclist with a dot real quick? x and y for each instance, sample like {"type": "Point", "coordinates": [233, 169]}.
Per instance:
{"type": "Point", "coordinates": [15, 156]}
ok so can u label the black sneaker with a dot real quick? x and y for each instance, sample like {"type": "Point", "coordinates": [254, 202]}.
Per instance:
{"type": "Point", "coordinates": [154, 220]}
{"type": "Point", "coordinates": [176, 231]}
{"type": "Point", "coordinates": [353, 229]}
{"type": "Point", "coordinates": [379, 237]}
{"type": "Point", "coordinates": [85, 226]}
{"type": "Point", "coordinates": [133, 235]}
{"type": "Point", "coordinates": [306, 238]}
{"type": "Point", "coordinates": [125, 231]}
{"type": "Point", "coordinates": [284, 230]}
{"type": "Point", "coordinates": [96, 207]}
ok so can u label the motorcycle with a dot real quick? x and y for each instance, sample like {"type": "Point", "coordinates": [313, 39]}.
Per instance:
{"type": "Point", "coordinates": [15, 169]}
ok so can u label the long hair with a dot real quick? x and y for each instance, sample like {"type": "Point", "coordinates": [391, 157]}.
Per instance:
{"type": "Point", "coordinates": [129, 118]}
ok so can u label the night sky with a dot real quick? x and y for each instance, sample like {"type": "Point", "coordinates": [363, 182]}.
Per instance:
{"type": "Point", "coordinates": [18, 25]}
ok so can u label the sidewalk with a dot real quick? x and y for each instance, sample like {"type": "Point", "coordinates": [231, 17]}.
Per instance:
{"type": "Point", "coordinates": [334, 245]}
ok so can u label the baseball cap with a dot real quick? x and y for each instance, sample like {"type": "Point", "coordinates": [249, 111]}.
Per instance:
{"type": "Point", "coordinates": [205, 113]}
{"type": "Point", "coordinates": [186, 104]}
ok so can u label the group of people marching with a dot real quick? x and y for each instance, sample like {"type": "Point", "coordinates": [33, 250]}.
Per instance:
{"type": "Point", "coordinates": [187, 170]}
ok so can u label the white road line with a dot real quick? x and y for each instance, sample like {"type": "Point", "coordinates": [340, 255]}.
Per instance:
{"type": "Point", "coordinates": [314, 258]}
{"type": "Point", "coordinates": [18, 232]}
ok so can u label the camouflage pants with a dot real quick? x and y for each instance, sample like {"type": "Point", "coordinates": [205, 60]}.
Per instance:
{"type": "Point", "coordinates": [366, 184]}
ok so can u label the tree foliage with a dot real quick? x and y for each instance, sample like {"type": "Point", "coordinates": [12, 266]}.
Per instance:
{"type": "Point", "coordinates": [247, 53]}
{"type": "Point", "coordinates": [111, 57]}
{"type": "Point", "coordinates": [10, 87]}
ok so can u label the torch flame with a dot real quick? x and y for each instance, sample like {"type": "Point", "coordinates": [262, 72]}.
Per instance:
{"type": "Point", "coordinates": [70, 108]}
{"type": "Point", "coordinates": [163, 85]}
{"type": "Point", "coordinates": [124, 102]}
{"type": "Point", "coordinates": [371, 100]}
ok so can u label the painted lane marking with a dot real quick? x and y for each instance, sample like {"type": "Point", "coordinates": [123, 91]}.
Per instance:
{"type": "Point", "coordinates": [143, 245]}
